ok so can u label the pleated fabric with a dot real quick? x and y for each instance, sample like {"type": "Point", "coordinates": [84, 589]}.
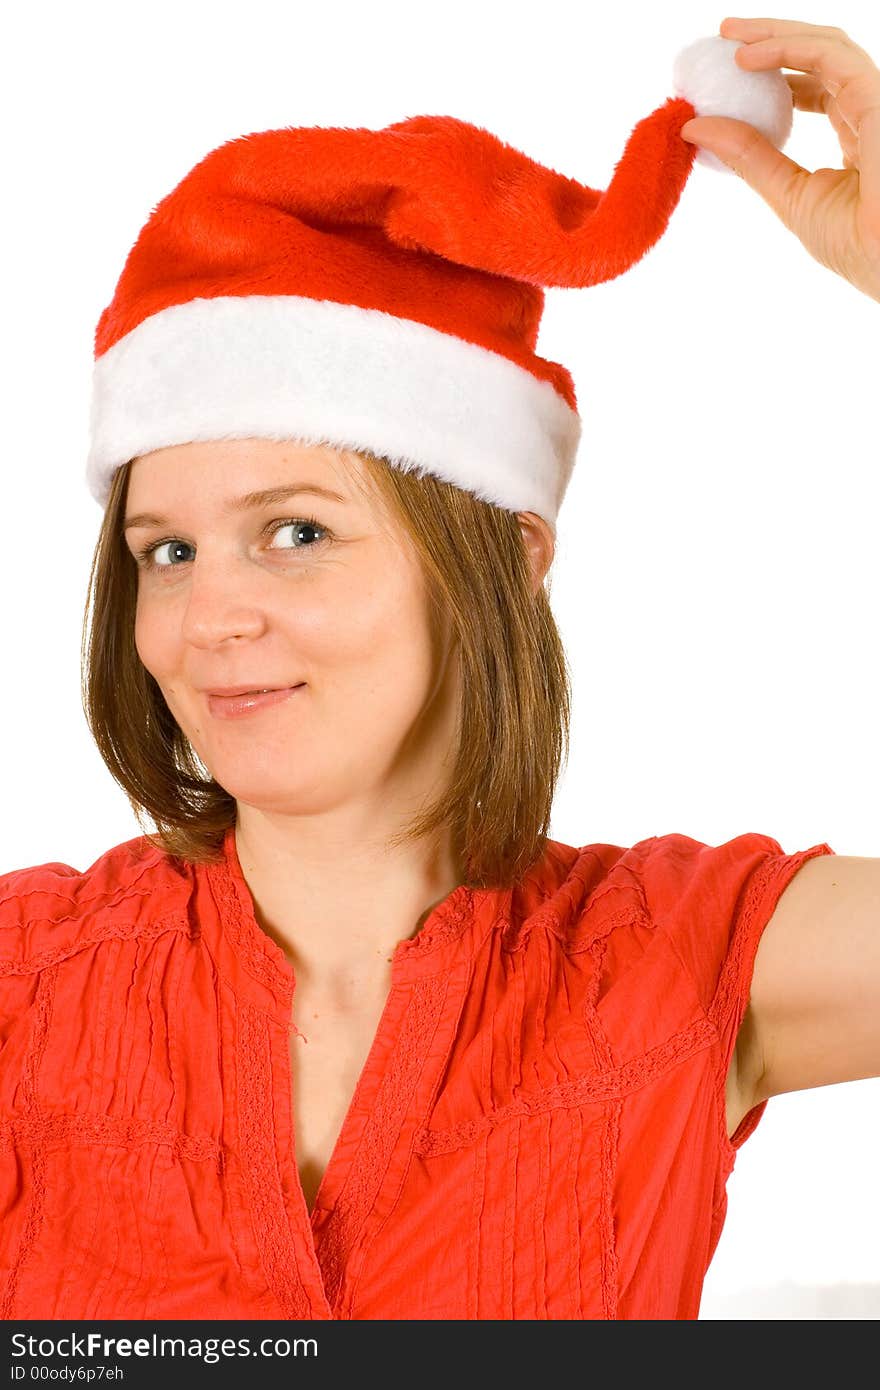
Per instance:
{"type": "Point", "coordinates": [538, 1131]}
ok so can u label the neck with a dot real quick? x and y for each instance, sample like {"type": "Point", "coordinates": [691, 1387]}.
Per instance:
{"type": "Point", "coordinates": [339, 914]}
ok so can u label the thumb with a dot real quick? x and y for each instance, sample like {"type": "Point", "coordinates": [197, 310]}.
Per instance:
{"type": "Point", "coordinates": [750, 154]}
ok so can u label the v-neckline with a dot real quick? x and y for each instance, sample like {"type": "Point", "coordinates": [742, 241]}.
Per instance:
{"type": "Point", "coordinates": [369, 1078]}
{"type": "Point", "coordinates": [429, 974]}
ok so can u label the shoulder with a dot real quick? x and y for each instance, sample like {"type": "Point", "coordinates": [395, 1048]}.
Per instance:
{"type": "Point", "coordinates": [633, 946]}
{"type": "Point", "coordinates": [669, 905]}
{"type": "Point", "coordinates": [46, 910]}
{"type": "Point", "coordinates": [591, 892]}
{"type": "Point", "coordinates": [575, 890]}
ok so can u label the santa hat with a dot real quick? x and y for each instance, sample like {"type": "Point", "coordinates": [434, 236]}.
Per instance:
{"type": "Point", "coordinates": [382, 290]}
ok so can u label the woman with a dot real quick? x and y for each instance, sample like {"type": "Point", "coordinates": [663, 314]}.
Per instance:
{"type": "Point", "coordinates": [349, 1037]}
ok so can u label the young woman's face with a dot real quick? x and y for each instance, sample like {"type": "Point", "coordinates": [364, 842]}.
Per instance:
{"type": "Point", "coordinates": [310, 590]}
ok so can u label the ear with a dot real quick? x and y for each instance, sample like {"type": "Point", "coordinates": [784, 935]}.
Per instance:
{"type": "Point", "coordinates": [540, 543]}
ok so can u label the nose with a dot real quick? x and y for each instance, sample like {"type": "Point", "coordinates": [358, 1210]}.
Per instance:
{"type": "Point", "coordinates": [224, 599]}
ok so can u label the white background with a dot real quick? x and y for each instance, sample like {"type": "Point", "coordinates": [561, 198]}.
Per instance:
{"type": "Point", "coordinates": [716, 572]}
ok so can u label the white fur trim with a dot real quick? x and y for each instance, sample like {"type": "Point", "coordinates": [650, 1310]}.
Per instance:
{"type": "Point", "coordinates": [318, 372]}
{"type": "Point", "coordinates": [706, 74]}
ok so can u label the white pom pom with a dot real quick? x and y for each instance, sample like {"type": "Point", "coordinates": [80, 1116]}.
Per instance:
{"type": "Point", "coordinates": [706, 74]}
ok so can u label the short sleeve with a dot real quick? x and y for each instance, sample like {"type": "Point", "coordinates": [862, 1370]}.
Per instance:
{"type": "Point", "coordinates": [713, 902]}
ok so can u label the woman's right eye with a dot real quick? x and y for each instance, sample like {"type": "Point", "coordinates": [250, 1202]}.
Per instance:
{"type": "Point", "coordinates": [145, 556]}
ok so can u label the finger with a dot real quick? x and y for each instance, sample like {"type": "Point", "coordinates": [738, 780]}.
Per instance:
{"type": "Point", "coordinates": [869, 167]}
{"type": "Point", "coordinates": [809, 94]}
{"type": "Point", "coordinates": [780, 181]}
{"type": "Point", "coordinates": [831, 59]}
{"type": "Point", "coordinates": [766, 28]}
{"type": "Point", "coordinates": [859, 103]}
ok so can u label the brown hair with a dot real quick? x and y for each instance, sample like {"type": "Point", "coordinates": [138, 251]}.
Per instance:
{"type": "Point", "coordinates": [514, 715]}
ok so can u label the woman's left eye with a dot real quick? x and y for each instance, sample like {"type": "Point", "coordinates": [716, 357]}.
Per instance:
{"type": "Point", "coordinates": [299, 524]}
{"type": "Point", "coordinates": [147, 559]}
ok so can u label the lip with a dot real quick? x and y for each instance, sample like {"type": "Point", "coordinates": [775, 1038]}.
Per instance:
{"type": "Point", "coordinates": [227, 690]}
{"type": "Point", "coordinates": [233, 706]}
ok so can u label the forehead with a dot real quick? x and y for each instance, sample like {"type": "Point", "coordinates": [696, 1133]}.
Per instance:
{"type": "Point", "coordinates": [232, 475]}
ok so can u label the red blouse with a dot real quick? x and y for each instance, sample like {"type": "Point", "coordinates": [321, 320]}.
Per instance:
{"type": "Point", "coordinates": [538, 1131]}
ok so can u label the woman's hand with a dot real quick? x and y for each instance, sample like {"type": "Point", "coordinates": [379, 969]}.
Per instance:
{"type": "Point", "coordinates": [834, 212]}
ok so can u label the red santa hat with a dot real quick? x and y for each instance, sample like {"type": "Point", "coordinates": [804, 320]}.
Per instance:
{"type": "Point", "coordinates": [382, 290]}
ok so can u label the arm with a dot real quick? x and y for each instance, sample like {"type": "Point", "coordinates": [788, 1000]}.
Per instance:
{"type": "Point", "coordinates": [814, 1008]}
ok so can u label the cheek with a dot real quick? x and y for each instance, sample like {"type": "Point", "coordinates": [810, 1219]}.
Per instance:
{"type": "Point", "coordinates": [153, 646]}
{"type": "Point", "coordinates": [379, 638]}
{"type": "Point", "coordinates": [162, 651]}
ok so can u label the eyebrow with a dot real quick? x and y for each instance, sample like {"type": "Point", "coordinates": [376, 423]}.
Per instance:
{"type": "Point", "coordinates": [266, 498]}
